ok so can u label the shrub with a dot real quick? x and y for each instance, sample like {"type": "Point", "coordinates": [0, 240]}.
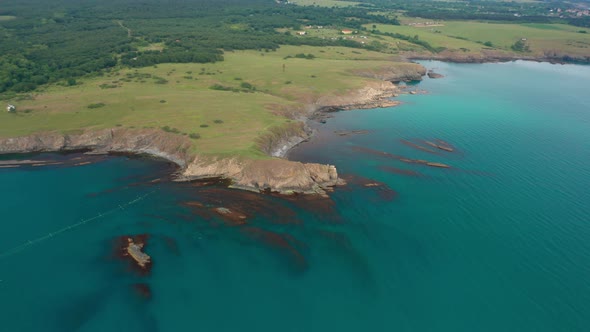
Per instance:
{"type": "Point", "coordinates": [170, 130]}
{"type": "Point", "coordinates": [305, 56]}
{"type": "Point", "coordinates": [520, 46]}
{"type": "Point", "coordinates": [218, 121]}
{"type": "Point", "coordinates": [220, 87]}
{"type": "Point", "coordinates": [96, 105]}
{"type": "Point", "coordinates": [204, 126]}
{"type": "Point", "coordinates": [194, 136]}
{"type": "Point", "coordinates": [162, 101]}
{"type": "Point", "coordinates": [247, 86]}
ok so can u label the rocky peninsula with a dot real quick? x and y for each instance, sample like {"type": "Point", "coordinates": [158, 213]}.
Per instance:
{"type": "Point", "coordinates": [259, 175]}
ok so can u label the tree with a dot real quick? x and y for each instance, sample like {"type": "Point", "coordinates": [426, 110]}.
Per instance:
{"type": "Point", "coordinates": [520, 46]}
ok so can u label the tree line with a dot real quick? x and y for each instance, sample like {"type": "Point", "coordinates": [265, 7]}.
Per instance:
{"type": "Point", "coordinates": [51, 41]}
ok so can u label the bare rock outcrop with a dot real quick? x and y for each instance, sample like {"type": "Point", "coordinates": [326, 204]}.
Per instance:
{"type": "Point", "coordinates": [277, 175]}
{"type": "Point", "coordinates": [372, 95]}
{"type": "Point", "coordinates": [432, 74]}
{"type": "Point", "coordinates": [398, 72]}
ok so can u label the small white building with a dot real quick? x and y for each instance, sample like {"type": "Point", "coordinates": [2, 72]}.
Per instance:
{"type": "Point", "coordinates": [10, 108]}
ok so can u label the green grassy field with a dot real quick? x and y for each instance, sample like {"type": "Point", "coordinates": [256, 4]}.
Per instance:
{"type": "Point", "coordinates": [540, 36]}
{"type": "Point", "coordinates": [431, 36]}
{"type": "Point", "coordinates": [394, 45]}
{"type": "Point", "coordinates": [187, 103]}
{"type": "Point", "coordinates": [471, 35]}
{"type": "Point", "coordinates": [6, 17]}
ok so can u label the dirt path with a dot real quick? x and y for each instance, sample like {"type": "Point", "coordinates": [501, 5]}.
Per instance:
{"type": "Point", "coordinates": [120, 23]}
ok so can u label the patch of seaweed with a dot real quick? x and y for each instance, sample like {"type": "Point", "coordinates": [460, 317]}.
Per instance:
{"type": "Point", "coordinates": [280, 244]}
{"type": "Point", "coordinates": [418, 147]}
{"type": "Point", "coordinates": [400, 171]}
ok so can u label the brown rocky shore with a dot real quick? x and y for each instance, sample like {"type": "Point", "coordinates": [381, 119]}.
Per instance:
{"type": "Point", "coordinates": [260, 175]}
{"type": "Point", "coordinates": [257, 175]}
{"type": "Point", "coordinates": [488, 56]}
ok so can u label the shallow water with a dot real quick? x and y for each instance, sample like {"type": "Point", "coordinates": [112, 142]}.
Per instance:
{"type": "Point", "coordinates": [498, 241]}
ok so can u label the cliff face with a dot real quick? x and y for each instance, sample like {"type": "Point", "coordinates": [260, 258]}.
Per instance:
{"type": "Point", "coordinates": [373, 95]}
{"type": "Point", "coordinates": [281, 139]}
{"type": "Point", "coordinates": [400, 72]}
{"type": "Point", "coordinates": [153, 142]}
{"type": "Point", "coordinates": [257, 175]}
{"type": "Point", "coordinates": [278, 175]}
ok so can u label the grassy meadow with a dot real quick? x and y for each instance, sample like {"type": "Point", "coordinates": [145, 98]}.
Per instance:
{"type": "Point", "coordinates": [469, 36]}
{"type": "Point", "coordinates": [179, 97]}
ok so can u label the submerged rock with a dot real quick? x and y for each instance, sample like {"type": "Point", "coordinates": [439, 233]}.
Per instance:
{"type": "Point", "coordinates": [432, 74]}
{"type": "Point", "coordinates": [400, 171]}
{"type": "Point", "coordinates": [440, 165]}
{"type": "Point", "coordinates": [143, 291]}
{"type": "Point", "coordinates": [350, 132]}
{"type": "Point", "coordinates": [231, 217]}
{"type": "Point", "coordinates": [442, 145]}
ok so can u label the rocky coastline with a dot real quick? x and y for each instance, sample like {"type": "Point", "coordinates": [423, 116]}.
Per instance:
{"type": "Point", "coordinates": [491, 56]}
{"type": "Point", "coordinates": [259, 175]}
{"type": "Point", "coordinates": [277, 175]}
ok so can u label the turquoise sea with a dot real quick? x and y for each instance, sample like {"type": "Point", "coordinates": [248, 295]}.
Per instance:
{"type": "Point", "coordinates": [500, 241]}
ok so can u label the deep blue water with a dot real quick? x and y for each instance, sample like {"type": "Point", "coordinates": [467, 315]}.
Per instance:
{"type": "Point", "coordinates": [498, 242]}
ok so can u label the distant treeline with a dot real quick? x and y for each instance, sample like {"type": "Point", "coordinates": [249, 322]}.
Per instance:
{"type": "Point", "coordinates": [581, 22]}
{"type": "Point", "coordinates": [58, 40]}
{"type": "Point", "coordinates": [414, 40]}
{"type": "Point", "coordinates": [509, 11]}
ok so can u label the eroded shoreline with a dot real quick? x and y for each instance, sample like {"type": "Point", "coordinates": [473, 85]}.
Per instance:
{"type": "Point", "coordinates": [263, 175]}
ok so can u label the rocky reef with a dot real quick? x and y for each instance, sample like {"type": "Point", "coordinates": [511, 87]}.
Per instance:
{"type": "Point", "coordinates": [130, 249]}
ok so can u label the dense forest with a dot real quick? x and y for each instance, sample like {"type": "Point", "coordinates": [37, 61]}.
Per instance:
{"type": "Point", "coordinates": [44, 41]}
{"type": "Point", "coordinates": [60, 40]}
{"type": "Point", "coordinates": [510, 11]}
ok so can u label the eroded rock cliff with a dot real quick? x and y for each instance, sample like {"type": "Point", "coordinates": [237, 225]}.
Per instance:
{"type": "Point", "coordinates": [146, 141]}
{"type": "Point", "coordinates": [276, 175]}
{"type": "Point", "coordinates": [397, 72]}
